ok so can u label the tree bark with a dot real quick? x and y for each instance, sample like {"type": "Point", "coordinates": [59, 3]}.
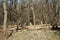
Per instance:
{"type": "Point", "coordinates": [5, 16]}
{"type": "Point", "coordinates": [32, 9]}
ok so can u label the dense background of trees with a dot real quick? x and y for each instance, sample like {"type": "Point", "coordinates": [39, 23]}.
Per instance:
{"type": "Point", "coordinates": [45, 11]}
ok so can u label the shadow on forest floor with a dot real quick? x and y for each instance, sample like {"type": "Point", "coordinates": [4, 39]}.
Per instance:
{"type": "Point", "coordinates": [56, 28]}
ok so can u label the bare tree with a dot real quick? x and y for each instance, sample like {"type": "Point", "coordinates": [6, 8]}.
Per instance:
{"type": "Point", "coordinates": [5, 16]}
{"type": "Point", "coordinates": [32, 9]}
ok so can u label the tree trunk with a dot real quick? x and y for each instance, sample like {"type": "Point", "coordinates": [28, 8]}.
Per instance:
{"type": "Point", "coordinates": [5, 16]}
{"type": "Point", "coordinates": [32, 9]}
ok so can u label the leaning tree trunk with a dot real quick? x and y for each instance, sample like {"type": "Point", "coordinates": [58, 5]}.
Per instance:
{"type": "Point", "coordinates": [5, 16]}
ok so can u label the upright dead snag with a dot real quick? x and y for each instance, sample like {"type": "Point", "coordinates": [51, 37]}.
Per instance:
{"type": "Point", "coordinates": [5, 16]}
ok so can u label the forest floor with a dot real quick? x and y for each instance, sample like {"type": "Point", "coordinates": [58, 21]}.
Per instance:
{"type": "Point", "coordinates": [26, 34]}
{"type": "Point", "coordinates": [43, 34]}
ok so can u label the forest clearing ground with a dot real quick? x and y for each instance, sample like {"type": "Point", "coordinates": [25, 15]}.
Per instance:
{"type": "Point", "coordinates": [30, 34]}
{"type": "Point", "coordinates": [43, 34]}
